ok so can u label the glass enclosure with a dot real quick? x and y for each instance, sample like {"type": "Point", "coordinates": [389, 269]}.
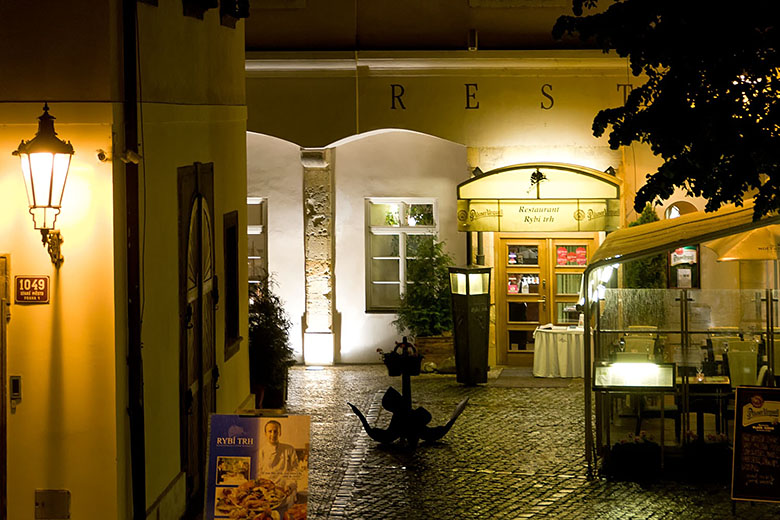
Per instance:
{"type": "Point", "coordinates": [710, 340]}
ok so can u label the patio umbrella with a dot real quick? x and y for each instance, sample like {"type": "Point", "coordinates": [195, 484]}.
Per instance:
{"type": "Point", "coordinates": [757, 244]}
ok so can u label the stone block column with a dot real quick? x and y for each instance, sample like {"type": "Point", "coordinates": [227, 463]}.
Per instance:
{"type": "Point", "coordinates": [318, 338]}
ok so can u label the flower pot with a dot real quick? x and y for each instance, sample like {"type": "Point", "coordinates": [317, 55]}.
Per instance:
{"type": "Point", "coordinates": [436, 348]}
{"type": "Point", "coordinates": [398, 364]}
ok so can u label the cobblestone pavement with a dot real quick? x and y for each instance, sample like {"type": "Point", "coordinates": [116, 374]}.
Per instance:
{"type": "Point", "coordinates": [514, 453]}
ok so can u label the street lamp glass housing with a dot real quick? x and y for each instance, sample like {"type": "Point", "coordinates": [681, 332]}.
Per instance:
{"type": "Point", "coordinates": [45, 162]}
{"type": "Point", "coordinates": [469, 283]}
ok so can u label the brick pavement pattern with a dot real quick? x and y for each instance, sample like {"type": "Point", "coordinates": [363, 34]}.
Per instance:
{"type": "Point", "coordinates": [514, 453]}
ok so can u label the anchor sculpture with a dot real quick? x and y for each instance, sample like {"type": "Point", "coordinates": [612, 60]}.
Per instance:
{"type": "Point", "coordinates": [407, 423]}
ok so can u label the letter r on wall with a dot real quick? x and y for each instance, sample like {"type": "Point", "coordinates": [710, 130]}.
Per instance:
{"type": "Point", "coordinates": [396, 91]}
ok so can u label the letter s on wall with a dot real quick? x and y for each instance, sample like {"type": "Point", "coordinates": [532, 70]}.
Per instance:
{"type": "Point", "coordinates": [548, 96]}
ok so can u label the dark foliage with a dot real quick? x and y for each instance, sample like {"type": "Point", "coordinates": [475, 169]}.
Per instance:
{"type": "Point", "coordinates": [425, 308]}
{"type": "Point", "coordinates": [270, 354]}
{"type": "Point", "coordinates": [711, 104]}
{"type": "Point", "coordinates": [648, 272]}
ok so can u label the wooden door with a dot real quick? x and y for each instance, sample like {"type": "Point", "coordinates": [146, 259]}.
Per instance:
{"type": "Point", "coordinates": [537, 282]}
{"type": "Point", "coordinates": [197, 292]}
{"type": "Point", "coordinates": [5, 303]}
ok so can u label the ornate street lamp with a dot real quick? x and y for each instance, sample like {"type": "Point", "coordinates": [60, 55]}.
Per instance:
{"type": "Point", "coordinates": [45, 163]}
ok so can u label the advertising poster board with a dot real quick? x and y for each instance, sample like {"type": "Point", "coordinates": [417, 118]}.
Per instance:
{"type": "Point", "coordinates": [756, 469]}
{"type": "Point", "coordinates": [258, 467]}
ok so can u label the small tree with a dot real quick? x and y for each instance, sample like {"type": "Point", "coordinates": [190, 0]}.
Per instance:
{"type": "Point", "coordinates": [425, 308]}
{"type": "Point", "coordinates": [709, 106]}
{"type": "Point", "coordinates": [648, 272]}
{"type": "Point", "coordinates": [270, 354]}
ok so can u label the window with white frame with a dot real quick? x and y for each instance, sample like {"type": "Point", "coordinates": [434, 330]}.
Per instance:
{"type": "Point", "coordinates": [257, 246]}
{"type": "Point", "coordinates": [396, 226]}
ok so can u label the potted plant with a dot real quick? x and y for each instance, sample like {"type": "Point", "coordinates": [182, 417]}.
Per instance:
{"type": "Point", "coordinates": [425, 312]}
{"type": "Point", "coordinates": [270, 354]}
{"type": "Point", "coordinates": [638, 458]}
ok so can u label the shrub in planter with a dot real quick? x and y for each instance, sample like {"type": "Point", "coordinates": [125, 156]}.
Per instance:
{"type": "Point", "coordinates": [270, 354]}
{"type": "Point", "coordinates": [637, 459]}
{"type": "Point", "coordinates": [425, 308]}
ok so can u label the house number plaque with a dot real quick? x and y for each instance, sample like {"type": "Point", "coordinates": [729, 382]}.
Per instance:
{"type": "Point", "coordinates": [31, 289]}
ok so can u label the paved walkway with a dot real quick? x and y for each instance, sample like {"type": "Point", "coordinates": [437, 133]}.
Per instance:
{"type": "Point", "coordinates": [514, 453]}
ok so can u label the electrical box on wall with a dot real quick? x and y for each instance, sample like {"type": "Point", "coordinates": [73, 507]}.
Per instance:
{"type": "Point", "coordinates": [52, 504]}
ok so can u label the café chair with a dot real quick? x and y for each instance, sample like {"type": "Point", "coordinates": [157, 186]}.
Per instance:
{"type": "Point", "coordinates": [742, 372]}
{"type": "Point", "coordinates": [743, 346]}
{"type": "Point", "coordinates": [639, 345]}
{"type": "Point", "coordinates": [742, 367]}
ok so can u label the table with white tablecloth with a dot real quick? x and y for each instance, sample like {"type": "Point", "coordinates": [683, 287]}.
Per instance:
{"type": "Point", "coordinates": [558, 352]}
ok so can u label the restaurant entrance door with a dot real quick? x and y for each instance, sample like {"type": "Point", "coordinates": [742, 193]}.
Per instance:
{"type": "Point", "coordinates": [537, 282]}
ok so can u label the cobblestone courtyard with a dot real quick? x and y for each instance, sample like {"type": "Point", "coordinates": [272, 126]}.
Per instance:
{"type": "Point", "coordinates": [514, 453]}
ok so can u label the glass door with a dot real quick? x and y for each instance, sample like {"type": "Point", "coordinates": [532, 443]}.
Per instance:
{"type": "Point", "coordinates": [524, 305]}
{"type": "Point", "coordinates": [538, 282]}
{"type": "Point", "coordinates": [569, 260]}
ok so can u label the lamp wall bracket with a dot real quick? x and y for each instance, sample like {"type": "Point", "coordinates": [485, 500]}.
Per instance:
{"type": "Point", "coordinates": [52, 241]}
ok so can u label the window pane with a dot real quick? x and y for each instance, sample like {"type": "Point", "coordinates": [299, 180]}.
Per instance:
{"type": "Point", "coordinates": [413, 243]}
{"type": "Point", "coordinates": [528, 255]}
{"type": "Point", "coordinates": [254, 215]}
{"type": "Point", "coordinates": [384, 270]}
{"type": "Point", "coordinates": [384, 245]}
{"type": "Point", "coordinates": [420, 215]}
{"type": "Point", "coordinates": [385, 214]}
{"type": "Point", "coordinates": [522, 283]}
{"type": "Point", "coordinates": [521, 340]}
{"type": "Point", "coordinates": [567, 312]}
{"type": "Point", "coordinates": [568, 283]}
{"type": "Point", "coordinates": [385, 295]}
{"type": "Point", "coordinates": [256, 270]}
{"type": "Point", "coordinates": [572, 255]}
{"type": "Point", "coordinates": [523, 311]}
{"type": "Point", "coordinates": [255, 246]}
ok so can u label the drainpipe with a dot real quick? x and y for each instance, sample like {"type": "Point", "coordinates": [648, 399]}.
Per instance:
{"type": "Point", "coordinates": [135, 374]}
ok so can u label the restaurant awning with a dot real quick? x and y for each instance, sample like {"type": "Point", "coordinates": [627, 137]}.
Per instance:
{"type": "Point", "coordinates": [694, 228]}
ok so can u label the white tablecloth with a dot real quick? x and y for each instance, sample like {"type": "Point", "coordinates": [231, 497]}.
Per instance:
{"type": "Point", "coordinates": [558, 353]}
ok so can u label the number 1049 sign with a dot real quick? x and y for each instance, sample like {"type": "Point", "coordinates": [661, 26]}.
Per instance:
{"type": "Point", "coordinates": [31, 289]}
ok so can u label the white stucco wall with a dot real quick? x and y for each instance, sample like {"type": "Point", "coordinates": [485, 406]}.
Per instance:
{"type": "Point", "coordinates": [386, 163]}
{"type": "Point", "coordinates": [274, 171]}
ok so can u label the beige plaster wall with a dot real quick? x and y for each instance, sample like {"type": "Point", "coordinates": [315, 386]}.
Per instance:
{"type": "Point", "coordinates": [190, 61]}
{"type": "Point", "coordinates": [175, 136]}
{"type": "Point", "coordinates": [45, 54]}
{"type": "Point", "coordinates": [63, 435]}
{"type": "Point", "coordinates": [390, 163]}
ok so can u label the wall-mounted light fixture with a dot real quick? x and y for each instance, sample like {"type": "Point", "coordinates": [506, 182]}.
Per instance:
{"type": "Point", "coordinates": [45, 163]}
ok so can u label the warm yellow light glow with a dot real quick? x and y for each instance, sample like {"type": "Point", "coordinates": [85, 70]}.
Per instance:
{"type": "Point", "coordinates": [458, 283]}
{"type": "Point", "coordinates": [318, 348]}
{"type": "Point", "coordinates": [634, 375]}
{"type": "Point", "coordinates": [478, 283]}
{"type": "Point", "coordinates": [44, 175]}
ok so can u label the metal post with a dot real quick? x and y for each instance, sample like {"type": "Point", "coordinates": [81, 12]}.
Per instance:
{"type": "Point", "coordinates": [770, 337]}
{"type": "Point", "coordinates": [480, 250]}
{"type": "Point", "coordinates": [686, 420]}
{"type": "Point", "coordinates": [587, 359]}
